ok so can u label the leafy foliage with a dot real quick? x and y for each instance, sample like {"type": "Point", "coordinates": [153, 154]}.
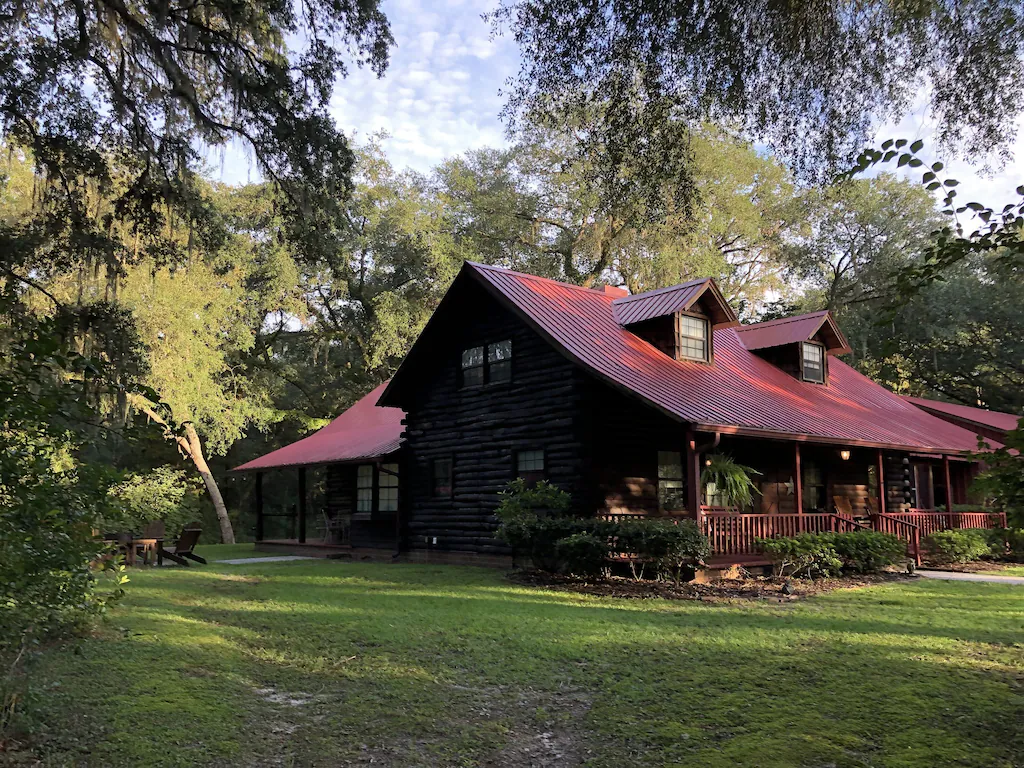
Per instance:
{"type": "Point", "coordinates": [810, 555]}
{"type": "Point", "coordinates": [810, 78]}
{"type": "Point", "coordinates": [582, 554]}
{"type": "Point", "coordinates": [959, 546]}
{"type": "Point", "coordinates": [868, 551]}
{"type": "Point", "coordinates": [731, 481]}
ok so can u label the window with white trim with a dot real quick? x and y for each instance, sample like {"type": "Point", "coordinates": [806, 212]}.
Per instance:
{"type": "Point", "coordinates": [813, 362]}
{"type": "Point", "coordinates": [364, 488]}
{"type": "Point", "coordinates": [693, 338]}
{"type": "Point", "coordinates": [387, 490]}
{"type": "Point", "coordinates": [530, 465]}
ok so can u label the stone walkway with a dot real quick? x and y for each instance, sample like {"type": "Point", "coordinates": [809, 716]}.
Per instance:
{"type": "Point", "coordinates": [275, 559]}
{"type": "Point", "coordinates": [955, 576]}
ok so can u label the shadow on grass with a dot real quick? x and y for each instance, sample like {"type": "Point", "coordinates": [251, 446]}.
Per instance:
{"type": "Point", "coordinates": [444, 666]}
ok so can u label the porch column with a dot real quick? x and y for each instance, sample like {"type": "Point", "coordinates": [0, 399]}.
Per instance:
{"type": "Point", "coordinates": [692, 475]}
{"type": "Point", "coordinates": [302, 505]}
{"type": "Point", "coordinates": [881, 482]}
{"type": "Point", "coordinates": [949, 485]}
{"type": "Point", "coordinates": [259, 506]}
{"type": "Point", "coordinates": [798, 483]}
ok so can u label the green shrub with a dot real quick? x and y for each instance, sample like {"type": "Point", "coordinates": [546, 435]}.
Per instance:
{"type": "Point", "coordinates": [868, 551]}
{"type": "Point", "coordinates": [520, 501]}
{"type": "Point", "coordinates": [538, 538]}
{"type": "Point", "coordinates": [959, 546]}
{"type": "Point", "coordinates": [809, 554]}
{"type": "Point", "coordinates": [582, 554]}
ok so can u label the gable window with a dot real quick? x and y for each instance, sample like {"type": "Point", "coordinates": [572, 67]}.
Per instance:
{"type": "Point", "coordinates": [692, 341]}
{"type": "Point", "coordinates": [442, 474]}
{"type": "Point", "coordinates": [813, 362]}
{"type": "Point", "coordinates": [473, 367]}
{"type": "Point", "coordinates": [671, 495]}
{"type": "Point", "coordinates": [530, 466]}
{"type": "Point", "coordinates": [364, 488]}
{"type": "Point", "coordinates": [487, 364]}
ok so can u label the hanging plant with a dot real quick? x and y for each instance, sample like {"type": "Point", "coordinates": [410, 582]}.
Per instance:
{"type": "Point", "coordinates": [731, 481]}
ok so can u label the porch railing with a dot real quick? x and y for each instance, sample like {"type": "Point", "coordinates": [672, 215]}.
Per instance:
{"type": "Point", "coordinates": [904, 529]}
{"type": "Point", "coordinates": [930, 521]}
{"type": "Point", "coordinates": [735, 533]}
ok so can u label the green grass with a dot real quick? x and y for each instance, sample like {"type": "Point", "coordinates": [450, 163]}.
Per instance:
{"type": "Point", "coordinates": [331, 663]}
{"type": "Point", "coordinates": [215, 552]}
{"type": "Point", "coordinates": [1011, 570]}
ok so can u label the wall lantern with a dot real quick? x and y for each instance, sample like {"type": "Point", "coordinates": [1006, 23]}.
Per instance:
{"type": "Point", "coordinates": [844, 455]}
{"type": "Point", "coordinates": [707, 462]}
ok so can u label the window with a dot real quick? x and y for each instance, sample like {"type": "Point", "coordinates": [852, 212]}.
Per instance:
{"type": "Point", "coordinates": [693, 337]}
{"type": "Point", "coordinates": [364, 488]}
{"type": "Point", "coordinates": [377, 489]}
{"type": "Point", "coordinates": [814, 487]}
{"type": "Point", "coordinates": [499, 361]}
{"type": "Point", "coordinates": [473, 367]}
{"type": "Point", "coordinates": [487, 364]}
{"type": "Point", "coordinates": [530, 466]}
{"type": "Point", "coordinates": [814, 362]}
{"type": "Point", "coordinates": [671, 495]}
{"type": "Point", "coordinates": [387, 479]}
{"type": "Point", "coordinates": [442, 472]}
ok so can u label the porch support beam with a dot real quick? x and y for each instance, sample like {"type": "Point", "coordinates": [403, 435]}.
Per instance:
{"type": "Point", "coordinates": [692, 475]}
{"type": "Point", "coordinates": [881, 482]}
{"type": "Point", "coordinates": [259, 506]}
{"type": "Point", "coordinates": [949, 484]}
{"type": "Point", "coordinates": [798, 482]}
{"type": "Point", "coordinates": [302, 505]}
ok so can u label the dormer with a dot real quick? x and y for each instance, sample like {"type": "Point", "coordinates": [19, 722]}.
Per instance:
{"type": "Point", "coordinates": [678, 320]}
{"type": "Point", "coordinates": [798, 345]}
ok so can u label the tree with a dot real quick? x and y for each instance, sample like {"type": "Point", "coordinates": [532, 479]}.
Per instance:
{"type": "Point", "coordinates": [536, 207]}
{"type": "Point", "coordinates": [809, 78]}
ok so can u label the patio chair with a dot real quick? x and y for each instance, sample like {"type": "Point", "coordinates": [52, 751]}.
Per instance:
{"type": "Point", "coordinates": [182, 548]}
{"type": "Point", "coordinates": [843, 506]}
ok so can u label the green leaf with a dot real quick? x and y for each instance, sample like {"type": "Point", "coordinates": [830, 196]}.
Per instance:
{"type": "Point", "coordinates": [917, 146]}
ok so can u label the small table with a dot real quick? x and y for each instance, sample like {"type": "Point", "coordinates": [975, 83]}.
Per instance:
{"type": "Point", "coordinates": [149, 547]}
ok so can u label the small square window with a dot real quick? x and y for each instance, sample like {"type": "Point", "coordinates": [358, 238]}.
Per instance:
{"type": "Point", "coordinates": [530, 466]}
{"type": "Point", "coordinates": [693, 337]}
{"type": "Point", "coordinates": [473, 366]}
{"type": "Point", "coordinates": [499, 361]}
{"type": "Point", "coordinates": [814, 362]}
{"type": "Point", "coordinates": [442, 472]}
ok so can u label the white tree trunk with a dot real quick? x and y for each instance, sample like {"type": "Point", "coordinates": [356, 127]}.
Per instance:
{"type": "Point", "coordinates": [227, 534]}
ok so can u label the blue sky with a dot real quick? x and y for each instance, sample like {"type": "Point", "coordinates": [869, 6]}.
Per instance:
{"type": "Point", "coordinates": [441, 96]}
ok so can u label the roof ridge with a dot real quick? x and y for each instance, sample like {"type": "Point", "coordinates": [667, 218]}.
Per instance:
{"type": "Point", "coordinates": [666, 289]}
{"type": "Point", "coordinates": [506, 270]}
{"type": "Point", "coordinates": [780, 320]}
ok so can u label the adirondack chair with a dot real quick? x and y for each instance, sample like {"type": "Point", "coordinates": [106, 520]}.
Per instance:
{"type": "Point", "coordinates": [182, 548]}
{"type": "Point", "coordinates": [843, 506]}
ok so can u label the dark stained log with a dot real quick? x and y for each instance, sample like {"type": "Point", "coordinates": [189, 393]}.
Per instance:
{"type": "Point", "coordinates": [259, 506]}
{"type": "Point", "coordinates": [302, 505]}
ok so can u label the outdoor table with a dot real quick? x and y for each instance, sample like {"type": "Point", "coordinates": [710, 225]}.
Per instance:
{"type": "Point", "coordinates": [149, 546]}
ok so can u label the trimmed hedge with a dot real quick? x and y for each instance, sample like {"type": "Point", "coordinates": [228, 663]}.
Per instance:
{"type": "Point", "coordinates": [815, 555]}
{"type": "Point", "coordinates": [961, 546]}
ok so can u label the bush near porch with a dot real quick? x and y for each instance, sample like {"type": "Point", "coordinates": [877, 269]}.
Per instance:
{"type": "Point", "coordinates": [326, 663]}
{"type": "Point", "coordinates": [829, 554]}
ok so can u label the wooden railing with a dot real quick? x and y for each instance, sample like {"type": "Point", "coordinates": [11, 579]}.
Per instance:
{"type": "Point", "coordinates": [905, 530]}
{"type": "Point", "coordinates": [735, 533]}
{"type": "Point", "coordinates": [930, 521]}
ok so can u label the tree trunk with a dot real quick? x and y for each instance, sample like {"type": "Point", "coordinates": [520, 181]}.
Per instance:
{"type": "Point", "coordinates": [227, 534]}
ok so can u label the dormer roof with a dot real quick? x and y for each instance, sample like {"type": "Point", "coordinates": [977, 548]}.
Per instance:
{"type": "Point", "coordinates": [676, 298]}
{"type": "Point", "coordinates": [791, 330]}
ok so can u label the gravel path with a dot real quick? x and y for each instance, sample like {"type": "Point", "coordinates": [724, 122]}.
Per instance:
{"type": "Point", "coordinates": [276, 559]}
{"type": "Point", "coordinates": [954, 576]}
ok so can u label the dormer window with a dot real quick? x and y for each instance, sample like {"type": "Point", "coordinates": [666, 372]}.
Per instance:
{"type": "Point", "coordinates": [813, 362]}
{"type": "Point", "coordinates": [692, 338]}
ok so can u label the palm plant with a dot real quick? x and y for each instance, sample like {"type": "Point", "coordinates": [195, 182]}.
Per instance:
{"type": "Point", "coordinates": [731, 480]}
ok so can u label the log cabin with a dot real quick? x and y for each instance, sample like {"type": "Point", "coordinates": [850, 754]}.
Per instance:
{"type": "Point", "coordinates": [619, 399]}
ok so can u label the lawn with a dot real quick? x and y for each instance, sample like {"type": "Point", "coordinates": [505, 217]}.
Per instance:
{"type": "Point", "coordinates": [1010, 570]}
{"type": "Point", "coordinates": [333, 663]}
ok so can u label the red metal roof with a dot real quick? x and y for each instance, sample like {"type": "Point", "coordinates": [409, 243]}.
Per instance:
{"type": "Point", "coordinates": [789, 330]}
{"type": "Point", "coordinates": [364, 431]}
{"type": "Point", "coordinates": [1005, 422]}
{"type": "Point", "coordinates": [740, 393]}
{"type": "Point", "coordinates": [664, 301]}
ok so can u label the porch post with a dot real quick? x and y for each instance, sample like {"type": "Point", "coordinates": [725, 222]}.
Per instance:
{"type": "Point", "coordinates": [798, 485]}
{"type": "Point", "coordinates": [949, 487]}
{"type": "Point", "coordinates": [259, 506]}
{"type": "Point", "coordinates": [692, 475]}
{"type": "Point", "coordinates": [302, 505]}
{"type": "Point", "coordinates": [881, 482]}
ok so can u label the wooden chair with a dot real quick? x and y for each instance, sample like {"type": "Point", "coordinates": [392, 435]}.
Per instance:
{"type": "Point", "coordinates": [182, 548]}
{"type": "Point", "coordinates": [843, 506]}
{"type": "Point", "coordinates": [872, 505]}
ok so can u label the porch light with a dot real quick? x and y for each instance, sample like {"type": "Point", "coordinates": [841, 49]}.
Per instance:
{"type": "Point", "coordinates": [707, 462]}
{"type": "Point", "coordinates": [844, 455]}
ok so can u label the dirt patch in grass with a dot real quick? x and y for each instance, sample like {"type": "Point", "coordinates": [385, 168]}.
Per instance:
{"type": "Point", "coordinates": [726, 590]}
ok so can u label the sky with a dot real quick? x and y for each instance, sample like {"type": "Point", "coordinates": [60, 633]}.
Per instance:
{"type": "Point", "coordinates": [441, 95]}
